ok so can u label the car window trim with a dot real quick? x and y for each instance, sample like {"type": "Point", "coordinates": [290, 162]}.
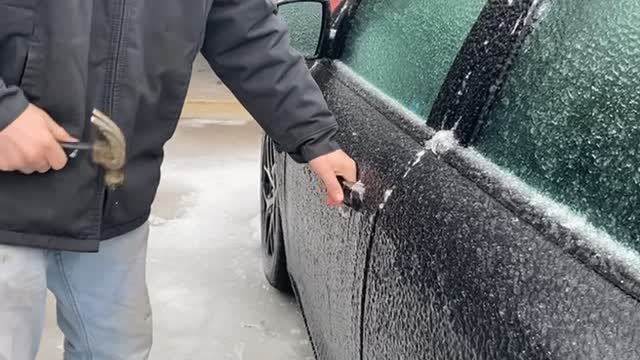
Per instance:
{"type": "Point", "coordinates": [340, 28]}
{"type": "Point", "coordinates": [483, 62]}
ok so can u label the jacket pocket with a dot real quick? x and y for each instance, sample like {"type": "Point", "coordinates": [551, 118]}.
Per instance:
{"type": "Point", "coordinates": [17, 25]}
{"type": "Point", "coordinates": [31, 78]}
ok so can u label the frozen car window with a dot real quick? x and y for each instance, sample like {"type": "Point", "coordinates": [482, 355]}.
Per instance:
{"type": "Point", "coordinates": [304, 20]}
{"type": "Point", "coordinates": [405, 48]}
{"type": "Point", "coordinates": [568, 121]}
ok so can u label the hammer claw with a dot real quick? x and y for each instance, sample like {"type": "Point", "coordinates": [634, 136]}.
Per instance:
{"type": "Point", "coordinates": [108, 150]}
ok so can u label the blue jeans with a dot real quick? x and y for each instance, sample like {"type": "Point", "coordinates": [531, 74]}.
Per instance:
{"type": "Point", "coordinates": [102, 300]}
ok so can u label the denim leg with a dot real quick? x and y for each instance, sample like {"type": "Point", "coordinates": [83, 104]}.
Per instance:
{"type": "Point", "coordinates": [23, 291]}
{"type": "Point", "coordinates": [103, 303]}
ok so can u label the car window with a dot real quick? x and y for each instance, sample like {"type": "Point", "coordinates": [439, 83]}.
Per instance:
{"type": "Point", "coordinates": [405, 48]}
{"type": "Point", "coordinates": [568, 118]}
{"type": "Point", "coordinates": [304, 20]}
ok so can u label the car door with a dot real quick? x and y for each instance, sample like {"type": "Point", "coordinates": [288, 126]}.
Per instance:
{"type": "Point", "coordinates": [516, 235]}
{"type": "Point", "coordinates": [326, 248]}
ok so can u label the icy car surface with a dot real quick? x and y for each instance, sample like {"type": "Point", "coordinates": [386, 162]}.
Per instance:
{"type": "Point", "coordinates": [499, 145]}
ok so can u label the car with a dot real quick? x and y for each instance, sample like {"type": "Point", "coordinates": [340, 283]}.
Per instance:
{"type": "Point", "coordinates": [498, 146]}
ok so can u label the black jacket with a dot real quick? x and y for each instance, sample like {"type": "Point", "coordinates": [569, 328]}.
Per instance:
{"type": "Point", "coordinates": [132, 60]}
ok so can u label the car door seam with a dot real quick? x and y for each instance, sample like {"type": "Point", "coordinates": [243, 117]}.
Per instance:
{"type": "Point", "coordinates": [365, 278]}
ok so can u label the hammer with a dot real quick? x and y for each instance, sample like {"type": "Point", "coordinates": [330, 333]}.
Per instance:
{"type": "Point", "coordinates": [108, 149]}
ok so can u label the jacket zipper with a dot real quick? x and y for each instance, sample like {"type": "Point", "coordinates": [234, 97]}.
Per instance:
{"type": "Point", "coordinates": [116, 62]}
{"type": "Point", "coordinates": [107, 194]}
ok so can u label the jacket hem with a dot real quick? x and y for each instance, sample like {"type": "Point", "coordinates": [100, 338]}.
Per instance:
{"type": "Point", "coordinates": [48, 242]}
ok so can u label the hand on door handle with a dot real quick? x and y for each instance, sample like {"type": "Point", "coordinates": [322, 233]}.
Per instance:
{"type": "Point", "coordinates": [353, 193]}
{"type": "Point", "coordinates": [329, 168]}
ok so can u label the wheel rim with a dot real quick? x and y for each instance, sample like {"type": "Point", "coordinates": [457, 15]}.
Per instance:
{"type": "Point", "coordinates": [269, 197]}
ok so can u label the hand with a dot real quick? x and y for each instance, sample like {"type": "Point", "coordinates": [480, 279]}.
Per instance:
{"type": "Point", "coordinates": [31, 143]}
{"type": "Point", "coordinates": [328, 167]}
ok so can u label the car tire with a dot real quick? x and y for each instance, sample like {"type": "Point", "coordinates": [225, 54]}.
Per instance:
{"type": "Point", "coordinates": [274, 260]}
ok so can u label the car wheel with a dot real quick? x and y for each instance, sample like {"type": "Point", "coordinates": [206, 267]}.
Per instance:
{"type": "Point", "coordinates": [274, 260]}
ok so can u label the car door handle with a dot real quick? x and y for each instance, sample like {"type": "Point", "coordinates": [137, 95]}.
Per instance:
{"type": "Point", "coordinates": [353, 193]}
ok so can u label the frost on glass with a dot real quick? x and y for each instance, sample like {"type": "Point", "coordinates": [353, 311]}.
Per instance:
{"type": "Point", "coordinates": [304, 20]}
{"type": "Point", "coordinates": [568, 121]}
{"type": "Point", "coordinates": [405, 48]}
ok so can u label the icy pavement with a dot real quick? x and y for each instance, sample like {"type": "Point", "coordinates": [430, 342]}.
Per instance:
{"type": "Point", "coordinates": [210, 300]}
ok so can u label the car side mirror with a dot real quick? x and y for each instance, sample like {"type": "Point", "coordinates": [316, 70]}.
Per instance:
{"type": "Point", "coordinates": [308, 22]}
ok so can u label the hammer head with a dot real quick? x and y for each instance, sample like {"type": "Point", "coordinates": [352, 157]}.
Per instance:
{"type": "Point", "coordinates": [109, 150]}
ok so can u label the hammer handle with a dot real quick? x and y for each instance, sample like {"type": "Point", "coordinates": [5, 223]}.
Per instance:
{"type": "Point", "coordinates": [76, 146]}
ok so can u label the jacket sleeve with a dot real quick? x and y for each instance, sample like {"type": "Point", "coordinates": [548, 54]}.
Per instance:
{"type": "Point", "coordinates": [12, 104]}
{"type": "Point", "coordinates": [248, 48]}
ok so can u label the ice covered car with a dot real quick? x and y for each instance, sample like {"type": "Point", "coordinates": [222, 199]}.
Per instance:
{"type": "Point", "coordinates": [498, 142]}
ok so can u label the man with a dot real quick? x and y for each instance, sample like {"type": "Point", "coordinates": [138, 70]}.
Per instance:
{"type": "Point", "coordinates": [130, 59]}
